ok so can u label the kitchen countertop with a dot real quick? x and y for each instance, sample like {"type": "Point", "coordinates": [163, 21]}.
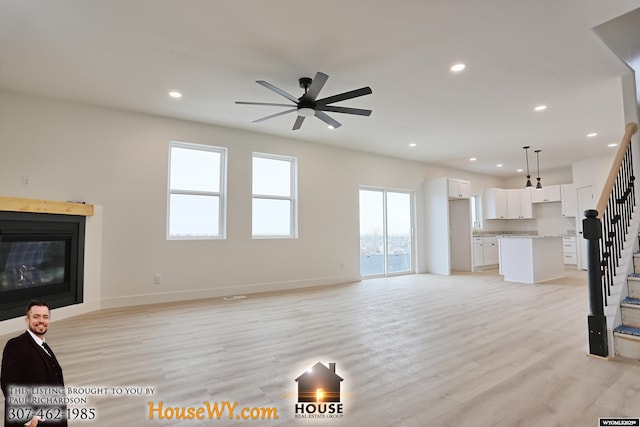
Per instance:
{"type": "Point", "coordinates": [515, 236]}
{"type": "Point", "coordinates": [569, 233]}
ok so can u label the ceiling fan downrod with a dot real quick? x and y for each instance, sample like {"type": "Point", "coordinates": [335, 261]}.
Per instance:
{"type": "Point", "coordinates": [305, 82]}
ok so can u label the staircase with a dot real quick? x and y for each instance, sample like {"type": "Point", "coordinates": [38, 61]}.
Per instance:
{"type": "Point", "coordinates": [627, 336]}
{"type": "Point", "coordinates": [610, 260]}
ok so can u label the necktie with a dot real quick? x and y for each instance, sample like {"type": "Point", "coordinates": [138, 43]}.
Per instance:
{"type": "Point", "coordinates": [54, 363]}
{"type": "Point", "coordinates": [46, 347]}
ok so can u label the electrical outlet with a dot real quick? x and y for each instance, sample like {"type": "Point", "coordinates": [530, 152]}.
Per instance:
{"type": "Point", "coordinates": [157, 279]}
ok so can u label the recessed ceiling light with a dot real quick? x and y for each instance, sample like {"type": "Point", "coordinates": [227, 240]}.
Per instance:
{"type": "Point", "coordinates": [413, 144]}
{"type": "Point", "coordinates": [175, 94]}
{"type": "Point", "coordinates": [499, 165]}
{"type": "Point", "coordinates": [592, 134]}
{"type": "Point", "coordinates": [613, 144]}
{"type": "Point", "coordinates": [519, 170]}
{"type": "Point", "coordinates": [540, 108]}
{"type": "Point", "coordinates": [473, 159]}
{"type": "Point", "coordinates": [330, 127]}
{"type": "Point", "coordinates": [457, 68]}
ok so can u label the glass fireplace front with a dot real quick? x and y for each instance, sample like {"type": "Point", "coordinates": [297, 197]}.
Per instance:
{"type": "Point", "coordinates": [41, 257]}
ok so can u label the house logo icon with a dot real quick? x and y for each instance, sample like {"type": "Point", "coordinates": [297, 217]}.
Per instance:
{"type": "Point", "coordinates": [319, 392]}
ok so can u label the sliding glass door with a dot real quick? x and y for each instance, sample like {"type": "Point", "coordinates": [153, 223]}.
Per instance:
{"type": "Point", "coordinates": [386, 237]}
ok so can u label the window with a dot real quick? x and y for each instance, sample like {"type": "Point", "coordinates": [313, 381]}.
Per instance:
{"type": "Point", "coordinates": [196, 191]}
{"type": "Point", "coordinates": [274, 207]}
{"type": "Point", "coordinates": [476, 217]}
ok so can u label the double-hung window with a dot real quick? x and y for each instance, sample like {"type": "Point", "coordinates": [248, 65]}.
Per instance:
{"type": "Point", "coordinates": [196, 191]}
{"type": "Point", "coordinates": [274, 205]}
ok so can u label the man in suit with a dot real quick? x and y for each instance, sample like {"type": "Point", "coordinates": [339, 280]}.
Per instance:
{"type": "Point", "coordinates": [31, 377]}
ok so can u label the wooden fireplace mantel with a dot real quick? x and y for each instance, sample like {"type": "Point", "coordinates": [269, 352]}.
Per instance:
{"type": "Point", "coordinates": [17, 204]}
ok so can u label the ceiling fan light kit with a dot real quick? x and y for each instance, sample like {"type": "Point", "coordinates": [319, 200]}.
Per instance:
{"type": "Point", "coordinates": [307, 105]}
{"type": "Point", "coordinates": [306, 111]}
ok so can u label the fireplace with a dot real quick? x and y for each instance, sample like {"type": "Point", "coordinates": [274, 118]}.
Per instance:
{"type": "Point", "coordinates": [41, 257]}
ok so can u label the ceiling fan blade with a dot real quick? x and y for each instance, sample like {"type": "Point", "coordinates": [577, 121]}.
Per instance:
{"type": "Point", "coordinates": [316, 86]}
{"type": "Point", "coordinates": [264, 103]}
{"type": "Point", "coordinates": [345, 110]}
{"type": "Point", "coordinates": [328, 119]}
{"type": "Point", "coordinates": [278, 91]}
{"type": "Point", "coordinates": [282, 113]}
{"type": "Point", "coordinates": [298, 123]}
{"type": "Point", "coordinates": [344, 96]}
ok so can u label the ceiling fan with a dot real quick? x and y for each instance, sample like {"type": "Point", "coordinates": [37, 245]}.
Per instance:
{"type": "Point", "coordinates": [307, 105]}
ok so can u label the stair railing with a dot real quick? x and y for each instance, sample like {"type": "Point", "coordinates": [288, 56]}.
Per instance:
{"type": "Point", "coordinates": [605, 229]}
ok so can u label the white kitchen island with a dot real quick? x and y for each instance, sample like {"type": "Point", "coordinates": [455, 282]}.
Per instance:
{"type": "Point", "coordinates": [531, 259]}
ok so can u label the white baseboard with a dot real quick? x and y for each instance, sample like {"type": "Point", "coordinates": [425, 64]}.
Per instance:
{"type": "Point", "coordinates": [163, 297]}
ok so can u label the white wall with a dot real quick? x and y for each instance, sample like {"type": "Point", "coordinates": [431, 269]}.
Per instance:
{"type": "Point", "coordinates": [593, 171]}
{"type": "Point", "coordinates": [631, 102]}
{"type": "Point", "coordinates": [547, 177]}
{"type": "Point", "coordinates": [118, 160]}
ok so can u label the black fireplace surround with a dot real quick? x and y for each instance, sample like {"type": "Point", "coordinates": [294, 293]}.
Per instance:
{"type": "Point", "coordinates": [41, 257]}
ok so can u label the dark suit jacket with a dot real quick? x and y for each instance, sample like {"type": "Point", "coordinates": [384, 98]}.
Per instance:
{"type": "Point", "coordinates": [25, 363]}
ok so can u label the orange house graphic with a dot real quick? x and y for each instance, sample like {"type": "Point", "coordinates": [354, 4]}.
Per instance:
{"type": "Point", "coordinates": [319, 384]}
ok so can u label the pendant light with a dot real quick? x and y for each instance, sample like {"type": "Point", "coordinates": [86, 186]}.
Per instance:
{"type": "Point", "coordinates": [538, 185]}
{"type": "Point", "coordinates": [526, 154]}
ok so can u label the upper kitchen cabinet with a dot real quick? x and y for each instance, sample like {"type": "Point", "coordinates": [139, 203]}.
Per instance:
{"type": "Point", "coordinates": [507, 204]}
{"type": "Point", "coordinates": [519, 204]}
{"type": "Point", "coordinates": [495, 203]}
{"type": "Point", "coordinates": [569, 200]}
{"type": "Point", "coordinates": [459, 188]}
{"type": "Point", "coordinates": [549, 193]}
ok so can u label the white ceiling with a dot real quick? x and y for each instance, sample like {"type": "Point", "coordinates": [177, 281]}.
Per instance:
{"type": "Point", "coordinates": [129, 54]}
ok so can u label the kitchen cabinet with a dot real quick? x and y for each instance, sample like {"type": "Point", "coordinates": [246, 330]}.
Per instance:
{"type": "Point", "coordinates": [531, 259]}
{"type": "Point", "coordinates": [490, 250]}
{"type": "Point", "coordinates": [549, 193]}
{"type": "Point", "coordinates": [478, 255]}
{"type": "Point", "coordinates": [569, 250]}
{"type": "Point", "coordinates": [485, 251]}
{"type": "Point", "coordinates": [459, 188]}
{"type": "Point", "coordinates": [495, 203]}
{"type": "Point", "coordinates": [507, 204]}
{"type": "Point", "coordinates": [526, 208]}
{"type": "Point", "coordinates": [569, 200]}
{"type": "Point", "coordinates": [519, 204]}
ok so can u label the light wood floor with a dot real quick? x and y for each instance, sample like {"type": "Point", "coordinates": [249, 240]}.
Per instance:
{"type": "Point", "coordinates": [419, 350]}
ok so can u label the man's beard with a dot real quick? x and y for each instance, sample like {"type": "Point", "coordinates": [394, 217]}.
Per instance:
{"type": "Point", "coordinates": [36, 331]}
